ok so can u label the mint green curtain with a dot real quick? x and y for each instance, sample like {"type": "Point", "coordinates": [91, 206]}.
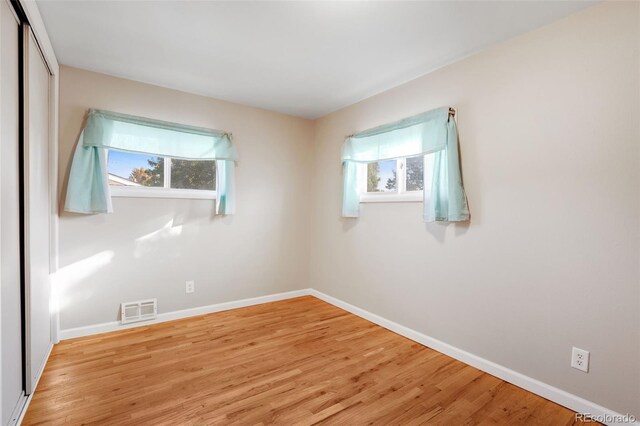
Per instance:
{"type": "Point", "coordinates": [430, 132]}
{"type": "Point", "coordinates": [225, 178]}
{"type": "Point", "coordinates": [88, 187]}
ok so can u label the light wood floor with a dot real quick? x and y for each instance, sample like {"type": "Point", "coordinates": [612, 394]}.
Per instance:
{"type": "Point", "coordinates": [299, 361]}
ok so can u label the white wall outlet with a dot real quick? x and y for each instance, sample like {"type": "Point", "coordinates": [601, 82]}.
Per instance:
{"type": "Point", "coordinates": [190, 286]}
{"type": "Point", "coordinates": [580, 359]}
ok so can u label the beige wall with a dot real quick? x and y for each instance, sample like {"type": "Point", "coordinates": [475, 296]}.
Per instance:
{"type": "Point", "coordinates": [150, 247]}
{"type": "Point", "coordinates": [550, 149]}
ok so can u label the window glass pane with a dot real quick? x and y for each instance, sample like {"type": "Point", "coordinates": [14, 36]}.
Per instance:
{"type": "Point", "coordinates": [193, 174]}
{"type": "Point", "coordinates": [130, 169]}
{"type": "Point", "coordinates": [415, 173]}
{"type": "Point", "coordinates": [381, 176]}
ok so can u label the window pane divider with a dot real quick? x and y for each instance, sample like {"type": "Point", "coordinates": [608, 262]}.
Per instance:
{"type": "Point", "coordinates": [401, 176]}
{"type": "Point", "coordinates": [167, 172]}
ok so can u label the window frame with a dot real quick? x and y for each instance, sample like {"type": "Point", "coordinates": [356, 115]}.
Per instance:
{"type": "Point", "coordinates": [165, 191]}
{"type": "Point", "coordinates": [401, 195]}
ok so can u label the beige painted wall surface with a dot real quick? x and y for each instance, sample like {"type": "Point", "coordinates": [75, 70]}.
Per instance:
{"type": "Point", "coordinates": [550, 149]}
{"type": "Point", "coordinates": [550, 141]}
{"type": "Point", "coordinates": [150, 247]}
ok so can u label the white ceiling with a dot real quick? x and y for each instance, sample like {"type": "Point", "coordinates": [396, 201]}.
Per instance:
{"type": "Point", "coordinates": [300, 58]}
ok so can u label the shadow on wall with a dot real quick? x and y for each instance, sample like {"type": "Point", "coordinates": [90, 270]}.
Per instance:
{"type": "Point", "coordinates": [437, 229]}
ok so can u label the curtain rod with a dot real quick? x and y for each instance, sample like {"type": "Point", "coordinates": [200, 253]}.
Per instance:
{"type": "Point", "coordinates": [451, 113]}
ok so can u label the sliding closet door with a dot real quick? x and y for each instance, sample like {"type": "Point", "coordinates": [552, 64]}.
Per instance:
{"type": "Point", "coordinates": [37, 80]}
{"type": "Point", "coordinates": [10, 295]}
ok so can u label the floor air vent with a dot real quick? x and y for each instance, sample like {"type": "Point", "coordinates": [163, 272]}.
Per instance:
{"type": "Point", "coordinates": [139, 311]}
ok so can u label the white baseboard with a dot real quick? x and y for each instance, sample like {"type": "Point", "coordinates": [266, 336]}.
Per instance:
{"type": "Point", "coordinates": [537, 387]}
{"type": "Point", "coordinates": [71, 333]}
{"type": "Point", "coordinates": [566, 399]}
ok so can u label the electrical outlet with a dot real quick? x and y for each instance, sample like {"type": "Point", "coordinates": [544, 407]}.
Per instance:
{"type": "Point", "coordinates": [580, 359]}
{"type": "Point", "coordinates": [190, 287]}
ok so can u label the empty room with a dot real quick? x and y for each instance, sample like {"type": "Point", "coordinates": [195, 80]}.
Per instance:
{"type": "Point", "coordinates": [319, 212]}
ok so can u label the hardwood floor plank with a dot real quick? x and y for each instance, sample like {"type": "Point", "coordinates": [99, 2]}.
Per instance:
{"type": "Point", "coordinates": [299, 361]}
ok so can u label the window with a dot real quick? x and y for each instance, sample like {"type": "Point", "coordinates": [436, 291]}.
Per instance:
{"type": "Point", "coordinates": [396, 180]}
{"type": "Point", "coordinates": [144, 175]}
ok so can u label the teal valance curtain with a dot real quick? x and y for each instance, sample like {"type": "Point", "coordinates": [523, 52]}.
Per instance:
{"type": "Point", "coordinates": [430, 132]}
{"type": "Point", "coordinates": [88, 188]}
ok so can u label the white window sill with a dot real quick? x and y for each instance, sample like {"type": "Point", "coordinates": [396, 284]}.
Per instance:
{"type": "Point", "coordinates": [390, 197]}
{"type": "Point", "coordinates": [146, 192]}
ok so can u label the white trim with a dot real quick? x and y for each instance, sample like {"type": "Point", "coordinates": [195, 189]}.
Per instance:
{"type": "Point", "coordinates": [149, 192]}
{"type": "Point", "coordinates": [72, 333]}
{"type": "Point", "coordinates": [401, 175]}
{"type": "Point", "coordinates": [566, 399]}
{"type": "Point", "coordinates": [167, 172]}
{"type": "Point", "coordinates": [391, 197]}
{"type": "Point", "coordinates": [37, 25]}
{"type": "Point", "coordinates": [121, 180]}
{"type": "Point", "coordinates": [53, 196]}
